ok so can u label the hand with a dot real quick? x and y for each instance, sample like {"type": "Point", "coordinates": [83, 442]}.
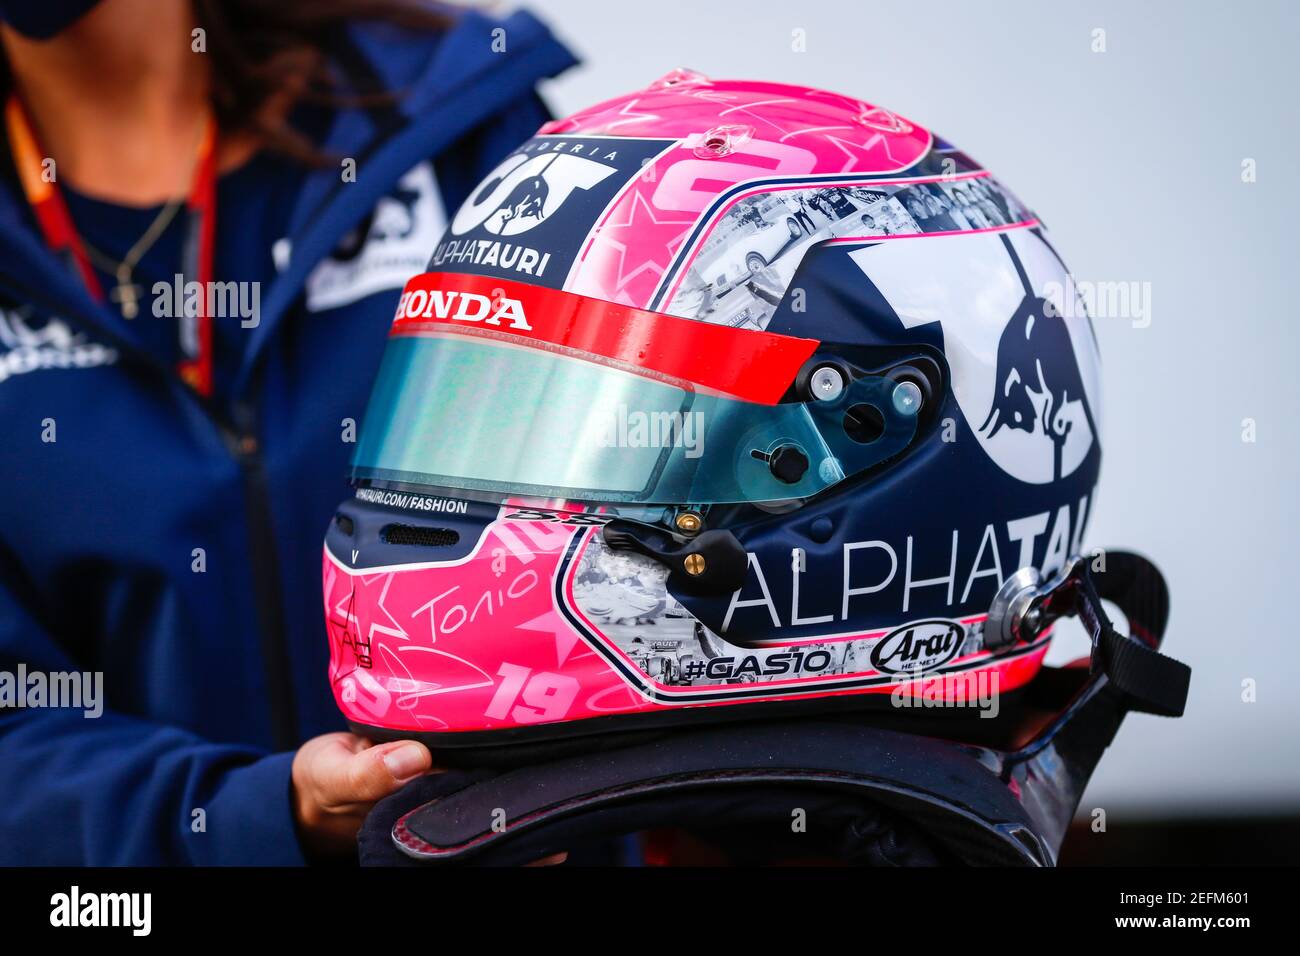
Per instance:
{"type": "Point", "coordinates": [338, 777]}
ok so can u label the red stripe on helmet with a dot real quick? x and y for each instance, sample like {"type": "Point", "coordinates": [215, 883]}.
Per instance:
{"type": "Point", "coordinates": [744, 363]}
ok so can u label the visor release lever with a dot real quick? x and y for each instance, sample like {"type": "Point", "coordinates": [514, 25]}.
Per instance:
{"type": "Point", "coordinates": [712, 562]}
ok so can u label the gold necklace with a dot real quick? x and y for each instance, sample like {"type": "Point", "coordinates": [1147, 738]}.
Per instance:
{"type": "Point", "coordinates": [127, 293]}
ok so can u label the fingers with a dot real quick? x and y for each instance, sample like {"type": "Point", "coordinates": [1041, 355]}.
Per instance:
{"type": "Point", "coordinates": [374, 773]}
{"type": "Point", "coordinates": [404, 760]}
{"type": "Point", "coordinates": [338, 777]}
{"type": "Point", "coordinates": [340, 771]}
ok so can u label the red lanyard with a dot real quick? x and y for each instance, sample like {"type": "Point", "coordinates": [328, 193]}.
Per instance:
{"type": "Point", "coordinates": [51, 211]}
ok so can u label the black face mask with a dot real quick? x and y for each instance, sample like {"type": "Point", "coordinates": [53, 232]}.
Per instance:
{"type": "Point", "coordinates": [40, 21]}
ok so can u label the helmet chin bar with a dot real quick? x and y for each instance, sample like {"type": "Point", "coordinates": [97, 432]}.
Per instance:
{"type": "Point", "coordinates": [1025, 606]}
{"type": "Point", "coordinates": [1008, 803]}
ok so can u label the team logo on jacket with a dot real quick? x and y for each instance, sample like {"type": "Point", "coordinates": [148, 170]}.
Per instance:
{"type": "Point", "coordinates": [386, 248]}
{"type": "Point", "coordinates": [529, 217]}
{"type": "Point", "coordinates": [918, 647]}
{"type": "Point", "coordinates": [26, 346]}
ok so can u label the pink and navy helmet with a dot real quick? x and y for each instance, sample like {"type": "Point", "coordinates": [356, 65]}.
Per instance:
{"type": "Point", "coordinates": [718, 399]}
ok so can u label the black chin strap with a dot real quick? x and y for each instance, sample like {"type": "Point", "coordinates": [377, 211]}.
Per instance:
{"type": "Point", "coordinates": [1148, 681]}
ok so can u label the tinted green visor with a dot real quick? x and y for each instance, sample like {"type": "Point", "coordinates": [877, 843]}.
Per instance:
{"type": "Point", "coordinates": [464, 405]}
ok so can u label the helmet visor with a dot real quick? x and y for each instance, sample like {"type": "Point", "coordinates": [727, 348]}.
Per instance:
{"type": "Point", "coordinates": [462, 404]}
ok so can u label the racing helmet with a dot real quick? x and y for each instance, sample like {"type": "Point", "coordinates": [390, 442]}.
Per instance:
{"type": "Point", "coordinates": [722, 400]}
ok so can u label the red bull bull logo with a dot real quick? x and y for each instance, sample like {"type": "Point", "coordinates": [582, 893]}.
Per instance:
{"type": "Point", "coordinates": [1037, 378]}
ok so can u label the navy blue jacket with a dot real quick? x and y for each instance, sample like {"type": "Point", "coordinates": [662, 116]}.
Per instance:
{"type": "Point", "coordinates": [211, 677]}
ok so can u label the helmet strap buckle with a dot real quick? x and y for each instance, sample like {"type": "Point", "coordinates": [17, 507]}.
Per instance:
{"type": "Point", "coordinates": [1025, 607]}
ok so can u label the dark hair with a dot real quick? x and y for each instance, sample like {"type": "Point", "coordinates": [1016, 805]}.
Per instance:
{"type": "Point", "coordinates": [264, 51]}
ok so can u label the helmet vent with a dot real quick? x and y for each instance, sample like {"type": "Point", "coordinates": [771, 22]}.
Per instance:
{"type": "Point", "coordinates": [419, 536]}
{"type": "Point", "coordinates": [723, 141]}
{"type": "Point", "coordinates": [344, 523]}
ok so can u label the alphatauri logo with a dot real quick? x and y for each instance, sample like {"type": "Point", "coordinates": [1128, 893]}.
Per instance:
{"type": "Point", "coordinates": [531, 215]}
{"type": "Point", "coordinates": [462, 307]}
{"type": "Point", "coordinates": [918, 647]}
{"type": "Point", "coordinates": [524, 190]}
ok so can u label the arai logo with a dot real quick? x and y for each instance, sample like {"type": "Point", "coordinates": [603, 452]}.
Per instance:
{"type": "Point", "coordinates": [918, 646]}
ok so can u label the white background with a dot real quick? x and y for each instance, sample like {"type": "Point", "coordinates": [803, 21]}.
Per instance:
{"type": "Point", "coordinates": [1133, 159]}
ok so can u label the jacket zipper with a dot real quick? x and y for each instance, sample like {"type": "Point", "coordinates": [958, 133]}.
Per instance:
{"type": "Point", "coordinates": [241, 438]}
{"type": "Point", "coordinates": [241, 441]}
